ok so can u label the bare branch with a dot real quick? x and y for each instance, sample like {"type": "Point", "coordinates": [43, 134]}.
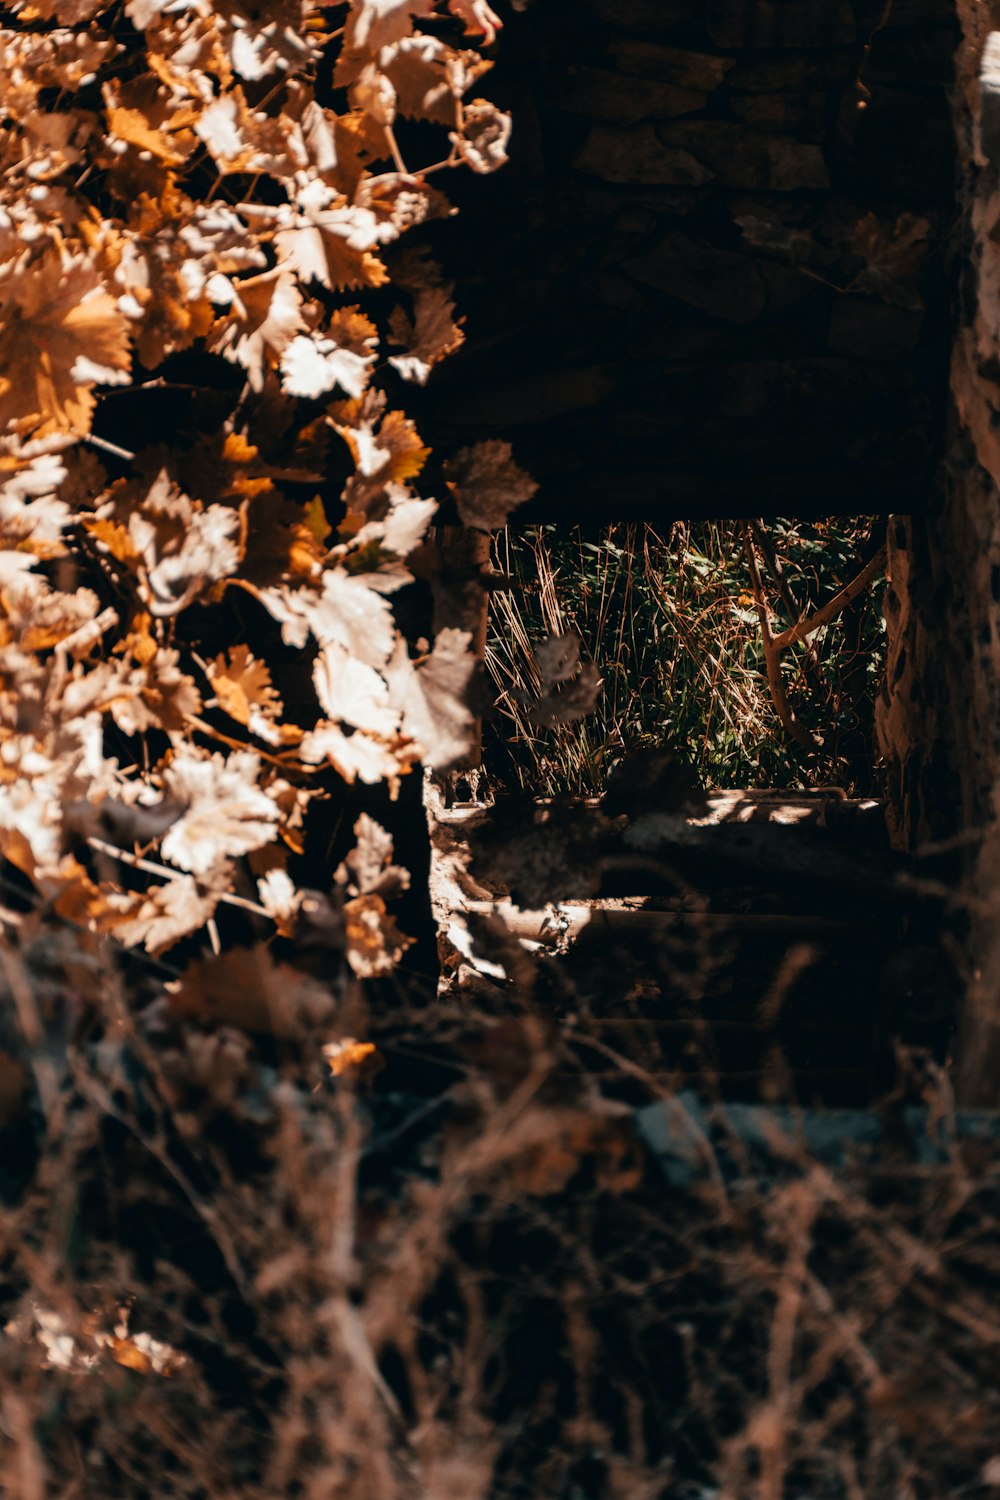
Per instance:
{"type": "Point", "coordinates": [834, 606]}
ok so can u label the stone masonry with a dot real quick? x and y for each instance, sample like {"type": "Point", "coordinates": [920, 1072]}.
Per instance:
{"type": "Point", "coordinates": [711, 281]}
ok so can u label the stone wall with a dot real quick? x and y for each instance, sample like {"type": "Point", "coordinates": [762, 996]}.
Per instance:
{"type": "Point", "coordinates": [939, 717]}
{"type": "Point", "coordinates": [695, 290]}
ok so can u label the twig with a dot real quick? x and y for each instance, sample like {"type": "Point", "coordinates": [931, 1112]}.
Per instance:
{"type": "Point", "coordinates": [792, 607]}
{"type": "Point", "coordinates": [833, 607]}
{"type": "Point", "coordinates": [106, 447]}
{"type": "Point", "coordinates": [149, 867]}
{"type": "Point", "coordinates": [237, 744]}
{"type": "Point", "coordinates": [772, 657]}
{"type": "Point", "coordinates": [394, 149]}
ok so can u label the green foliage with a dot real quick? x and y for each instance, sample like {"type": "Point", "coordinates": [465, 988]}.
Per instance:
{"type": "Point", "coordinates": [671, 622]}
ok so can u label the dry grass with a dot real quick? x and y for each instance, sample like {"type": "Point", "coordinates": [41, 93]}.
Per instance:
{"type": "Point", "coordinates": [671, 622]}
{"type": "Point", "coordinates": [463, 1279]}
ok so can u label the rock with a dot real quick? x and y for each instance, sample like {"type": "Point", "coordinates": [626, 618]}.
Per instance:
{"type": "Point", "coordinates": [691, 153]}
{"type": "Point", "coordinates": [645, 15]}
{"type": "Point", "coordinates": [640, 156]}
{"type": "Point", "coordinates": [802, 111]}
{"type": "Point", "coordinates": [531, 399]}
{"type": "Point", "coordinates": [618, 292]}
{"type": "Point", "coordinates": [674, 65]}
{"type": "Point", "coordinates": [907, 13]}
{"type": "Point", "coordinates": [736, 156]}
{"type": "Point", "coordinates": [782, 23]}
{"type": "Point", "coordinates": [869, 329]}
{"type": "Point", "coordinates": [722, 283]}
{"type": "Point", "coordinates": [790, 74]}
{"type": "Point", "coordinates": [604, 95]}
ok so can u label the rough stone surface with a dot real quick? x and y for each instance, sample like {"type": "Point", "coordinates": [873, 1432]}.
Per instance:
{"type": "Point", "coordinates": [666, 315]}
{"type": "Point", "coordinates": [718, 282]}
{"type": "Point", "coordinates": [673, 65]}
{"type": "Point", "coordinates": [645, 15]}
{"type": "Point", "coordinates": [602, 94]}
{"type": "Point", "coordinates": [745, 158]}
{"type": "Point", "coordinates": [869, 329]}
{"type": "Point", "coordinates": [940, 707]}
{"type": "Point", "coordinates": [797, 111]}
{"type": "Point", "coordinates": [782, 23]}
{"type": "Point", "coordinates": [640, 156]}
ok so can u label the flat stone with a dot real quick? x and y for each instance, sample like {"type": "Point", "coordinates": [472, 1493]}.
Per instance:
{"type": "Point", "coordinates": [806, 111]}
{"type": "Point", "coordinates": [738, 156]}
{"type": "Point", "coordinates": [869, 329]}
{"type": "Point", "coordinates": [909, 13]}
{"type": "Point", "coordinates": [532, 399]}
{"type": "Point", "coordinates": [793, 74]}
{"type": "Point", "coordinates": [720, 282]}
{"type": "Point", "coordinates": [674, 65]}
{"type": "Point", "coordinates": [782, 23]}
{"type": "Point", "coordinates": [640, 156]}
{"type": "Point", "coordinates": [646, 15]}
{"type": "Point", "coordinates": [602, 94]}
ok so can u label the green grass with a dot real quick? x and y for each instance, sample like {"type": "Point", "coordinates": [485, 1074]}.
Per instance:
{"type": "Point", "coordinates": [670, 620]}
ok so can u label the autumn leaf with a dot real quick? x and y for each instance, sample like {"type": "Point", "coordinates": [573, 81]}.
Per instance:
{"type": "Point", "coordinates": [353, 692]}
{"type": "Point", "coordinates": [482, 140]}
{"type": "Point", "coordinates": [428, 338]}
{"type": "Point", "coordinates": [322, 237]}
{"type": "Point", "coordinates": [155, 693]}
{"type": "Point", "coordinates": [160, 917]}
{"type": "Point", "coordinates": [432, 697]}
{"type": "Point", "coordinates": [343, 356]}
{"type": "Point", "coordinates": [568, 688]}
{"type": "Point", "coordinates": [226, 814]}
{"type": "Point", "coordinates": [487, 484]}
{"type": "Point", "coordinates": [374, 942]}
{"type": "Point", "coordinates": [369, 863]}
{"type": "Point", "coordinates": [349, 1059]}
{"type": "Point", "coordinates": [358, 756]}
{"type": "Point", "coordinates": [263, 319]}
{"type": "Point", "coordinates": [63, 335]}
{"type": "Point", "coordinates": [244, 691]}
{"type": "Point", "coordinates": [478, 16]}
{"type": "Point", "coordinates": [373, 24]}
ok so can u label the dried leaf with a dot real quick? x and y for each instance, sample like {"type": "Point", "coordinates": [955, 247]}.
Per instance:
{"type": "Point", "coordinates": [310, 365]}
{"type": "Point", "coordinates": [567, 689]}
{"type": "Point", "coordinates": [163, 915]}
{"type": "Point", "coordinates": [478, 16]}
{"type": "Point", "coordinates": [358, 1061]}
{"type": "Point", "coordinates": [487, 484]}
{"type": "Point", "coordinates": [431, 335]}
{"type": "Point", "coordinates": [353, 692]}
{"type": "Point", "coordinates": [64, 335]}
{"type": "Point", "coordinates": [482, 140]}
{"type": "Point", "coordinates": [227, 813]}
{"type": "Point", "coordinates": [432, 698]}
{"type": "Point", "coordinates": [374, 942]}
{"type": "Point", "coordinates": [370, 862]}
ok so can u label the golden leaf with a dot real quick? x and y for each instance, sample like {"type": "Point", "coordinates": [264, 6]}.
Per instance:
{"type": "Point", "coordinates": [358, 1061]}
{"type": "Point", "coordinates": [63, 334]}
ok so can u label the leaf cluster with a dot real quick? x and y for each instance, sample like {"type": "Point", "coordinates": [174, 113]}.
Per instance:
{"type": "Point", "coordinates": [210, 500]}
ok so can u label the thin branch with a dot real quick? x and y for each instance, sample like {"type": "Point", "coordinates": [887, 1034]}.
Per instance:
{"type": "Point", "coordinates": [792, 607]}
{"type": "Point", "coordinates": [150, 867]}
{"type": "Point", "coordinates": [397, 155]}
{"type": "Point", "coordinates": [766, 549]}
{"type": "Point", "coordinates": [834, 606]}
{"type": "Point", "coordinates": [106, 447]}
{"type": "Point", "coordinates": [772, 657]}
